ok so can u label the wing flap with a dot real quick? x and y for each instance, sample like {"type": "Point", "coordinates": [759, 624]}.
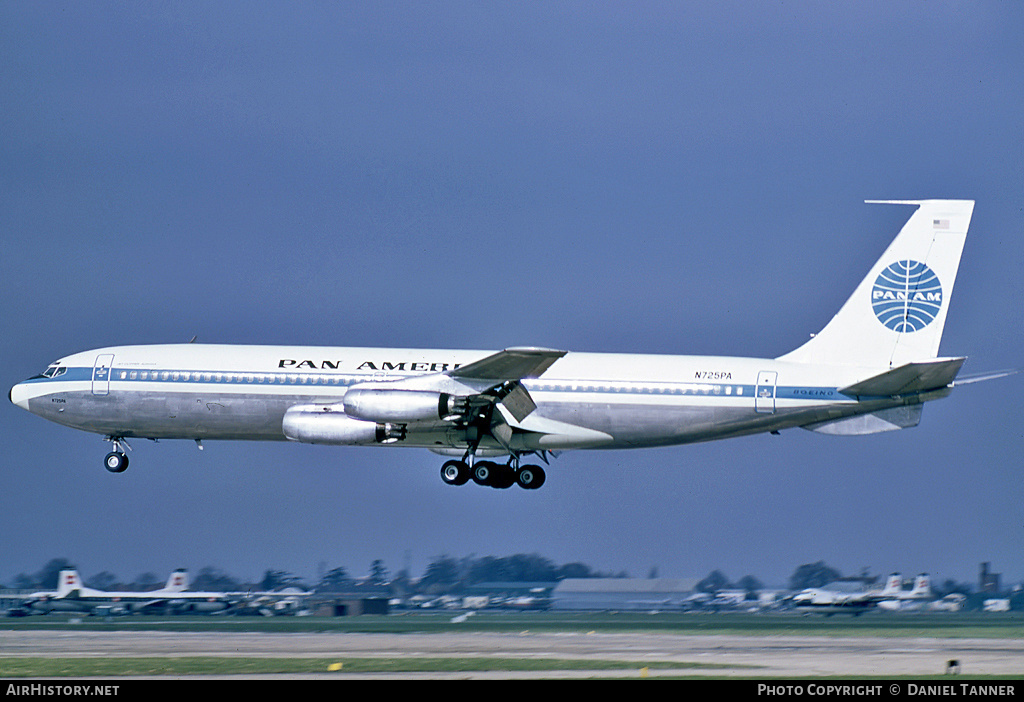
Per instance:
{"type": "Point", "coordinates": [549, 433]}
{"type": "Point", "coordinates": [519, 402]}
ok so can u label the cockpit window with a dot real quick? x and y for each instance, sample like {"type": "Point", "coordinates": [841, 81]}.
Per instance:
{"type": "Point", "coordinates": [53, 371]}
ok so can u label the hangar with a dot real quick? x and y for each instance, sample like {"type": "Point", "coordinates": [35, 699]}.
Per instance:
{"type": "Point", "coordinates": [622, 593]}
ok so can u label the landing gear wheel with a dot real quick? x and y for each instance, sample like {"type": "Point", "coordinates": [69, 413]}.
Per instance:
{"type": "Point", "coordinates": [484, 472]}
{"type": "Point", "coordinates": [504, 477]}
{"type": "Point", "coordinates": [455, 473]}
{"type": "Point", "coordinates": [530, 477]}
{"type": "Point", "coordinates": [116, 462]}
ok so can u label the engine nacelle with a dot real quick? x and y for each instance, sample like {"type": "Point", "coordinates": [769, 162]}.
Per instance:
{"type": "Point", "coordinates": [316, 424]}
{"type": "Point", "coordinates": [390, 405]}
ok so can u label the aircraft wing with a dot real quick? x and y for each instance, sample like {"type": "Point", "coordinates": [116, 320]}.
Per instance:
{"type": "Point", "coordinates": [512, 404]}
{"type": "Point", "coordinates": [908, 379]}
{"type": "Point", "coordinates": [552, 434]}
{"type": "Point", "coordinates": [495, 378]}
{"type": "Point", "coordinates": [485, 397]}
{"type": "Point", "coordinates": [510, 364]}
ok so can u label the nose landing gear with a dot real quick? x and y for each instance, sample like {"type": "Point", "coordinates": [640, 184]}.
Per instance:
{"type": "Point", "coordinates": [117, 460]}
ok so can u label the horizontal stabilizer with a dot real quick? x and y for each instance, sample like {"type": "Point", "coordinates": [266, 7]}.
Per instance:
{"type": "Point", "coordinates": [908, 379]}
{"type": "Point", "coordinates": [510, 364]}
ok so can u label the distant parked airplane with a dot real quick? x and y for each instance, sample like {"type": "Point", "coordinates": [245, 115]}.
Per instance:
{"type": "Point", "coordinates": [72, 596]}
{"type": "Point", "coordinates": [910, 599]}
{"type": "Point", "coordinates": [831, 600]}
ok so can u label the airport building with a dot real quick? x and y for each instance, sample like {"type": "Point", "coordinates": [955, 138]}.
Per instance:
{"type": "Point", "coordinates": [988, 582]}
{"type": "Point", "coordinates": [599, 594]}
{"type": "Point", "coordinates": [352, 603]}
{"type": "Point", "coordinates": [349, 606]}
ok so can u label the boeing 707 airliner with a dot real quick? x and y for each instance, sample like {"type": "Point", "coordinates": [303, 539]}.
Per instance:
{"type": "Point", "coordinates": [871, 369]}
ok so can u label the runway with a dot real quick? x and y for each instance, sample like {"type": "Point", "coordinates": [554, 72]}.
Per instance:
{"type": "Point", "coordinates": [743, 656]}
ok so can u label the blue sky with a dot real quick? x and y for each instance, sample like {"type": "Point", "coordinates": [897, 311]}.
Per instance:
{"type": "Point", "coordinates": [630, 177]}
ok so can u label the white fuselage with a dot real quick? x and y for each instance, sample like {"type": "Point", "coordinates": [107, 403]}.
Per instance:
{"type": "Point", "coordinates": [198, 391]}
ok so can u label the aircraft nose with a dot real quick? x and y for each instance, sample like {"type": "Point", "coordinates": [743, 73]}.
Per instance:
{"type": "Point", "coordinates": [19, 395]}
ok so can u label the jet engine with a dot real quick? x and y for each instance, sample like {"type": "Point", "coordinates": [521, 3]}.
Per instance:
{"type": "Point", "coordinates": [317, 424]}
{"type": "Point", "coordinates": [390, 405]}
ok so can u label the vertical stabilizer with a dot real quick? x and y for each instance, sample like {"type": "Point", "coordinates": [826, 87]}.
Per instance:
{"type": "Point", "coordinates": [68, 582]}
{"type": "Point", "coordinates": [178, 582]}
{"type": "Point", "coordinates": [897, 313]}
{"type": "Point", "coordinates": [893, 585]}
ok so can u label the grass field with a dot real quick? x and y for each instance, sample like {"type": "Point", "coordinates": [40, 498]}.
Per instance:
{"type": "Point", "coordinates": [219, 665]}
{"type": "Point", "coordinates": [942, 625]}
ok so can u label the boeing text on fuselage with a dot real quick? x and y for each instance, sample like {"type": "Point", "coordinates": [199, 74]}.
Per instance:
{"type": "Point", "coordinates": [871, 369]}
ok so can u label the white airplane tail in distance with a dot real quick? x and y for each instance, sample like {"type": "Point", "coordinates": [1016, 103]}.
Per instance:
{"type": "Point", "coordinates": [73, 596]}
{"type": "Point", "coordinates": [892, 597]}
{"type": "Point", "coordinates": [871, 369]}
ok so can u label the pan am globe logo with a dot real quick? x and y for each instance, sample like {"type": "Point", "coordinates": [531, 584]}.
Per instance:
{"type": "Point", "coordinates": [906, 296]}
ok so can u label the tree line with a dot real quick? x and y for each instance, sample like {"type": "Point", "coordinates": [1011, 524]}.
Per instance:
{"type": "Point", "coordinates": [444, 574]}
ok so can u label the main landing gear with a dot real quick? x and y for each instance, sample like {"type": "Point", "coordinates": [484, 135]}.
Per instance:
{"type": "Point", "coordinates": [496, 475]}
